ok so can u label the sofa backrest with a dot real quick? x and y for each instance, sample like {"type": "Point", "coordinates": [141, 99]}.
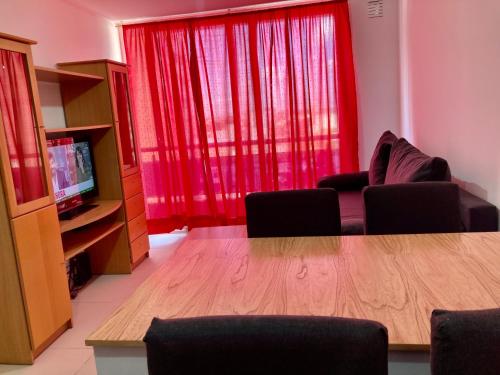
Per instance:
{"type": "Point", "coordinates": [409, 164]}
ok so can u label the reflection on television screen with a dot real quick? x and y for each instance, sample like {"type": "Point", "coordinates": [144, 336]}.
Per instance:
{"type": "Point", "coordinates": [72, 171]}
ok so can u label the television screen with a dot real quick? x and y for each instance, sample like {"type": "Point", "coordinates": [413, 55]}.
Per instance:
{"type": "Point", "coordinates": [72, 171]}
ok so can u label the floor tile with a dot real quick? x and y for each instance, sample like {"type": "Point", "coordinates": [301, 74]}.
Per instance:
{"type": "Point", "coordinates": [87, 316]}
{"type": "Point", "coordinates": [53, 361]}
{"type": "Point", "coordinates": [68, 355]}
{"type": "Point", "coordinates": [88, 368]}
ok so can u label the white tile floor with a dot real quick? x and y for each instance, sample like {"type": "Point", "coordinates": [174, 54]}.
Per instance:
{"type": "Point", "coordinates": [68, 355]}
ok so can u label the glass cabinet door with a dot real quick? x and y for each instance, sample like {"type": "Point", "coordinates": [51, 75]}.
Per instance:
{"type": "Point", "coordinates": [20, 143]}
{"type": "Point", "coordinates": [123, 117]}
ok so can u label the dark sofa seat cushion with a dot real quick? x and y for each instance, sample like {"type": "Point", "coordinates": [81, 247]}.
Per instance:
{"type": "Point", "coordinates": [380, 158]}
{"type": "Point", "coordinates": [409, 164]}
{"type": "Point", "coordinates": [351, 212]}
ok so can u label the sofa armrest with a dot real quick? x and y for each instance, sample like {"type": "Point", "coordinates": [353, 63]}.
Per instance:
{"type": "Point", "coordinates": [477, 214]}
{"type": "Point", "coordinates": [417, 207]}
{"type": "Point", "coordinates": [345, 181]}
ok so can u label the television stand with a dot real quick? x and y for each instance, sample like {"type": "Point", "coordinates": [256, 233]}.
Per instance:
{"type": "Point", "coordinates": [101, 231]}
{"type": "Point", "coordinates": [77, 211]}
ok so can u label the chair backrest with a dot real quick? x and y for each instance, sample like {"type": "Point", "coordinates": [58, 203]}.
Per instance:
{"type": "Point", "coordinates": [465, 342]}
{"type": "Point", "coordinates": [415, 207]}
{"type": "Point", "coordinates": [292, 213]}
{"type": "Point", "coordinates": [266, 345]}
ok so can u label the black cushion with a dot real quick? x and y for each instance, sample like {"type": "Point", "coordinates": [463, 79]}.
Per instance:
{"type": "Point", "coordinates": [465, 342]}
{"type": "Point", "coordinates": [345, 181]}
{"type": "Point", "coordinates": [477, 214]}
{"type": "Point", "coordinates": [266, 345]}
{"type": "Point", "coordinates": [351, 212]}
{"type": "Point", "coordinates": [420, 207]}
{"type": "Point", "coordinates": [308, 212]}
{"type": "Point", "coordinates": [380, 158]}
{"type": "Point", "coordinates": [408, 164]}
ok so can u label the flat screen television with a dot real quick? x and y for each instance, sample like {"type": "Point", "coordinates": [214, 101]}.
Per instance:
{"type": "Point", "coordinates": [72, 170]}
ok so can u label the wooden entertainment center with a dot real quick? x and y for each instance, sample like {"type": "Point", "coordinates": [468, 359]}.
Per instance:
{"type": "Point", "coordinates": [35, 243]}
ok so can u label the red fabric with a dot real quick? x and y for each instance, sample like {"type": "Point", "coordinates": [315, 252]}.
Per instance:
{"type": "Point", "coordinates": [124, 120]}
{"type": "Point", "coordinates": [235, 104]}
{"type": "Point", "coordinates": [16, 111]}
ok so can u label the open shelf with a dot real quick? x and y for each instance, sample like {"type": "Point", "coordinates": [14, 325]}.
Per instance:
{"type": "Point", "coordinates": [102, 209]}
{"type": "Point", "coordinates": [59, 75]}
{"type": "Point", "coordinates": [78, 129]}
{"type": "Point", "coordinates": [78, 242]}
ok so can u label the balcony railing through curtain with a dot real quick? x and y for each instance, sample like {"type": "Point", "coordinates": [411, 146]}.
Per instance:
{"type": "Point", "coordinates": [233, 104]}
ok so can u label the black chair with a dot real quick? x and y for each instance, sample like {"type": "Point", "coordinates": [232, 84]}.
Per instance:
{"type": "Point", "coordinates": [416, 207]}
{"type": "Point", "coordinates": [293, 213]}
{"type": "Point", "coordinates": [266, 345]}
{"type": "Point", "coordinates": [465, 342]}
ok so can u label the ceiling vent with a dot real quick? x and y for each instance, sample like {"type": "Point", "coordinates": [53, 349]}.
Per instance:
{"type": "Point", "coordinates": [375, 8]}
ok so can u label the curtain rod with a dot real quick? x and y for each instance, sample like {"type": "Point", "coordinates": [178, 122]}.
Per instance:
{"type": "Point", "coordinates": [222, 12]}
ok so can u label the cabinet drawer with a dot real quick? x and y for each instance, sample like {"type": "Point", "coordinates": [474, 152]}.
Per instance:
{"type": "Point", "coordinates": [139, 247]}
{"type": "Point", "coordinates": [132, 185]}
{"type": "Point", "coordinates": [134, 206]}
{"type": "Point", "coordinates": [137, 226]}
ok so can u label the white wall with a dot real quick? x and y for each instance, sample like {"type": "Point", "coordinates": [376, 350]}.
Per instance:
{"type": "Point", "coordinates": [453, 87]}
{"type": "Point", "coordinates": [64, 32]}
{"type": "Point", "coordinates": [376, 54]}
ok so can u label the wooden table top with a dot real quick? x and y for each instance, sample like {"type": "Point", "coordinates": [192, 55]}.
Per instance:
{"type": "Point", "coordinates": [397, 280]}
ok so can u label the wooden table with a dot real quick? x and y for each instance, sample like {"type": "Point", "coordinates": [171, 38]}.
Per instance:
{"type": "Point", "coordinates": [397, 280]}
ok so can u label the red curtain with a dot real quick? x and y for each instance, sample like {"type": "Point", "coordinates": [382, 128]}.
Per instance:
{"type": "Point", "coordinates": [16, 112]}
{"type": "Point", "coordinates": [235, 104]}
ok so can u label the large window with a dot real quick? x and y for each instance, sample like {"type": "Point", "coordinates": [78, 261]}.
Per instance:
{"type": "Point", "coordinates": [235, 104]}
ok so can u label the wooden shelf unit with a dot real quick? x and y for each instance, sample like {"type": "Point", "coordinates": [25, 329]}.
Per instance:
{"type": "Point", "coordinates": [102, 209]}
{"type": "Point", "coordinates": [78, 242]}
{"type": "Point", "coordinates": [35, 244]}
{"type": "Point", "coordinates": [77, 129]}
{"type": "Point", "coordinates": [59, 75]}
{"type": "Point", "coordinates": [18, 39]}
{"type": "Point", "coordinates": [100, 231]}
{"type": "Point", "coordinates": [110, 104]}
{"type": "Point", "coordinates": [36, 305]}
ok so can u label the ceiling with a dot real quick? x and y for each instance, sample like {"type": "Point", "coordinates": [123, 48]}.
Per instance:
{"type": "Point", "coordinates": [118, 10]}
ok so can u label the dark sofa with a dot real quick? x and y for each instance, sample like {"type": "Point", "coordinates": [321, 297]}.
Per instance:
{"type": "Point", "coordinates": [407, 187]}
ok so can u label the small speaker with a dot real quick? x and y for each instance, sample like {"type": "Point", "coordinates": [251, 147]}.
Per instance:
{"type": "Point", "coordinates": [79, 272]}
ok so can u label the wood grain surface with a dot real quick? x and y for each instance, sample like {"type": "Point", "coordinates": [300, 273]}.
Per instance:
{"type": "Point", "coordinates": [15, 346]}
{"type": "Point", "coordinates": [55, 133]}
{"type": "Point", "coordinates": [57, 75]}
{"type": "Point", "coordinates": [102, 209]}
{"type": "Point", "coordinates": [396, 280]}
{"type": "Point", "coordinates": [77, 242]}
{"type": "Point", "coordinates": [42, 272]}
